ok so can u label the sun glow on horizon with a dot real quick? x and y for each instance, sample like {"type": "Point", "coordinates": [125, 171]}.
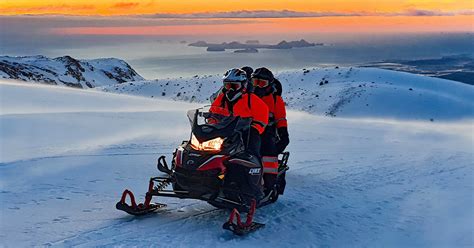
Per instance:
{"type": "Point", "coordinates": [289, 25]}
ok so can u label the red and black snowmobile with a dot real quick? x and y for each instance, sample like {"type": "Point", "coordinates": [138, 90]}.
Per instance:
{"type": "Point", "coordinates": [208, 167]}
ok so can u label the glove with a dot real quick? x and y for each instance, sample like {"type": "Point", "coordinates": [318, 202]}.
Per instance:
{"type": "Point", "coordinates": [284, 139]}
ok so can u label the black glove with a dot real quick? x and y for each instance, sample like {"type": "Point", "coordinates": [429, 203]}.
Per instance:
{"type": "Point", "coordinates": [284, 139]}
{"type": "Point", "coordinates": [253, 143]}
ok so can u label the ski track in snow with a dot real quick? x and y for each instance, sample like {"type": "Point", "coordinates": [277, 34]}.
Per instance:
{"type": "Point", "coordinates": [352, 182]}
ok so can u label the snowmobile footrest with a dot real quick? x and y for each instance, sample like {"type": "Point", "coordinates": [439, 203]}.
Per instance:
{"type": "Point", "coordinates": [240, 228]}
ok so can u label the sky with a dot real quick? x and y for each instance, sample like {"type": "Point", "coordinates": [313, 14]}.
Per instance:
{"type": "Point", "coordinates": [133, 29]}
{"type": "Point", "coordinates": [127, 7]}
{"type": "Point", "coordinates": [223, 17]}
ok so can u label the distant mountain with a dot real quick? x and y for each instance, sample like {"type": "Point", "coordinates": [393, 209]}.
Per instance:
{"type": "Point", "coordinates": [67, 71]}
{"type": "Point", "coordinates": [283, 45]}
{"type": "Point", "coordinates": [300, 43]}
{"type": "Point", "coordinates": [252, 42]}
{"type": "Point", "coordinates": [297, 43]}
{"type": "Point", "coordinates": [456, 67]}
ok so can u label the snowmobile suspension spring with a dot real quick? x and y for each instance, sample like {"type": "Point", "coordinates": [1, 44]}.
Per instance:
{"type": "Point", "coordinates": [162, 185]}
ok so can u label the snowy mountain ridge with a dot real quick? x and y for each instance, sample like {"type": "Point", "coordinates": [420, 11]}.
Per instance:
{"type": "Point", "coordinates": [338, 91]}
{"type": "Point", "coordinates": [67, 71]}
{"type": "Point", "coordinates": [344, 92]}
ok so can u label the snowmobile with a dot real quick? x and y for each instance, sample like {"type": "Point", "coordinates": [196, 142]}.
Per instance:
{"type": "Point", "coordinates": [203, 168]}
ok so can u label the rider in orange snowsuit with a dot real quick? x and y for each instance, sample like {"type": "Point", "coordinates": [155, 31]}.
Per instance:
{"type": "Point", "coordinates": [235, 100]}
{"type": "Point", "coordinates": [275, 137]}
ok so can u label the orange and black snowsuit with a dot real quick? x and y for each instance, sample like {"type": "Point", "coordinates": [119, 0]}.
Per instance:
{"type": "Point", "coordinates": [249, 105]}
{"type": "Point", "coordinates": [277, 122]}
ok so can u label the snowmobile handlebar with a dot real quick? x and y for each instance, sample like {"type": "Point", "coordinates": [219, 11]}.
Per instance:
{"type": "Point", "coordinates": [162, 165]}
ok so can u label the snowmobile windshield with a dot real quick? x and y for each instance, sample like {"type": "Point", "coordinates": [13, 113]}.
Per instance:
{"type": "Point", "coordinates": [203, 116]}
{"type": "Point", "coordinates": [207, 124]}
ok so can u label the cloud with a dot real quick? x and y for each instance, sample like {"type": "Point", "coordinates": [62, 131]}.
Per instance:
{"type": "Point", "coordinates": [50, 8]}
{"type": "Point", "coordinates": [466, 12]}
{"type": "Point", "coordinates": [250, 14]}
{"type": "Point", "coordinates": [421, 12]}
{"type": "Point", "coordinates": [299, 14]}
{"type": "Point", "coordinates": [42, 23]}
{"type": "Point", "coordinates": [125, 5]}
{"type": "Point", "coordinates": [418, 12]}
{"type": "Point", "coordinates": [240, 14]}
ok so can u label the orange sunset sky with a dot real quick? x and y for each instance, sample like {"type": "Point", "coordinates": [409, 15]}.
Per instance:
{"type": "Point", "coordinates": [124, 7]}
{"type": "Point", "coordinates": [364, 15]}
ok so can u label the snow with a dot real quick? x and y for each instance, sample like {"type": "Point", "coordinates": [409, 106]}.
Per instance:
{"type": "Point", "coordinates": [361, 179]}
{"type": "Point", "coordinates": [339, 91]}
{"type": "Point", "coordinates": [67, 71]}
{"type": "Point", "coordinates": [47, 120]}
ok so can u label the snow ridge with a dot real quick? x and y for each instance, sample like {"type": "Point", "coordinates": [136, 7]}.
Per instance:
{"type": "Point", "coordinates": [342, 92]}
{"type": "Point", "coordinates": [67, 71]}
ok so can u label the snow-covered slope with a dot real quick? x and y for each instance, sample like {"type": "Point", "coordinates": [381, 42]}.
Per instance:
{"type": "Point", "coordinates": [65, 114]}
{"type": "Point", "coordinates": [352, 182]}
{"type": "Point", "coordinates": [346, 92]}
{"type": "Point", "coordinates": [67, 71]}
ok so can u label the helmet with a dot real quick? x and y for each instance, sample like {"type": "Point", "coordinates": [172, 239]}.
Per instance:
{"type": "Point", "coordinates": [248, 70]}
{"type": "Point", "coordinates": [235, 81]}
{"type": "Point", "coordinates": [263, 73]}
{"type": "Point", "coordinates": [235, 75]}
{"type": "Point", "coordinates": [263, 81]}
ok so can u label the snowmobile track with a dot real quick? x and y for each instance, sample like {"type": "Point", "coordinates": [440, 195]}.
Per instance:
{"type": "Point", "coordinates": [81, 156]}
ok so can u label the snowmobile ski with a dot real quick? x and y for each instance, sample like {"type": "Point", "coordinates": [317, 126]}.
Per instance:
{"type": "Point", "coordinates": [240, 228]}
{"type": "Point", "coordinates": [138, 209]}
{"type": "Point", "coordinates": [242, 231]}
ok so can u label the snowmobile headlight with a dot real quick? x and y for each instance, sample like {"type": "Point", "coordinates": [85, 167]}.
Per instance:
{"type": "Point", "coordinates": [213, 145]}
{"type": "Point", "coordinates": [210, 145]}
{"type": "Point", "coordinates": [195, 143]}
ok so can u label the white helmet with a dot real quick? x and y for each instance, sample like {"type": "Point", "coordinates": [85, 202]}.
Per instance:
{"type": "Point", "coordinates": [235, 81]}
{"type": "Point", "coordinates": [235, 75]}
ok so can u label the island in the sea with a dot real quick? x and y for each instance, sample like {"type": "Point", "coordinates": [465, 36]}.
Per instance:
{"type": "Point", "coordinates": [252, 46]}
{"type": "Point", "coordinates": [247, 50]}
